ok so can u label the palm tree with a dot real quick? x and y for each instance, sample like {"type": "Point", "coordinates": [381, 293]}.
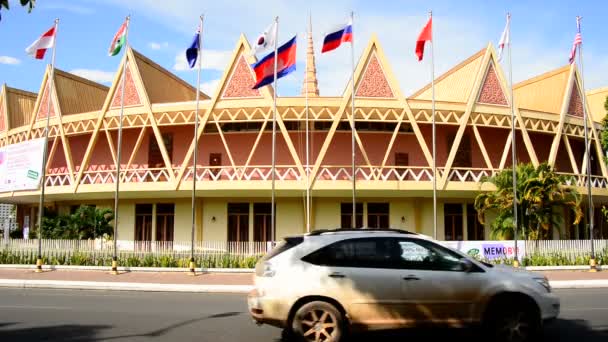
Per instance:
{"type": "Point", "coordinates": [540, 192]}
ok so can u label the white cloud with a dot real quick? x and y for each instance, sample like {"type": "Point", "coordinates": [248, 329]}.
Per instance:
{"type": "Point", "coordinates": [209, 87]}
{"type": "Point", "coordinates": [212, 59]}
{"type": "Point", "coordinates": [99, 76]}
{"type": "Point", "coordinates": [158, 46]}
{"type": "Point", "coordinates": [9, 60]}
{"type": "Point", "coordinates": [67, 7]}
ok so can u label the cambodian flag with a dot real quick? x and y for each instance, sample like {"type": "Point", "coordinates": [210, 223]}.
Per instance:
{"type": "Point", "coordinates": [337, 36]}
{"type": "Point", "coordinates": [286, 63]}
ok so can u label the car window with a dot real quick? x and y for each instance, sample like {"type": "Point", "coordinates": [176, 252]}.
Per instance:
{"type": "Point", "coordinates": [360, 252]}
{"type": "Point", "coordinates": [426, 255]}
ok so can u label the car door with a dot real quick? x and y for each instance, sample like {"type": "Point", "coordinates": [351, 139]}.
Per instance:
{"type": "Point", "coordinates": [357, 272]}
{"type": "Point", "coordinates": [435, 286]}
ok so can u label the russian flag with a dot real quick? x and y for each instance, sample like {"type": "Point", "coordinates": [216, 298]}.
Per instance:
{"type": "Point", "coordinates": [341, 34]}
{"type": "Point", "coordinates": [286, 63]}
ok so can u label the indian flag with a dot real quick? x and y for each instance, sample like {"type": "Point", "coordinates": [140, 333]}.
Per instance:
{"type": "Point", "coordinates": [120, 38]}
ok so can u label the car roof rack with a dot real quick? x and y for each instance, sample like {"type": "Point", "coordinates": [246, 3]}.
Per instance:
{"type": "Point", "coordinates": [360, 230]}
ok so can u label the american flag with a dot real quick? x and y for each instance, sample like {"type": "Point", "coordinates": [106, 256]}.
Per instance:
{"type": "Point", "coordinates": [578, 40]}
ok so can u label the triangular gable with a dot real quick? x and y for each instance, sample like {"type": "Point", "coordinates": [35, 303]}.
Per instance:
{"type": "Point", "coordinates": [373, 82]}
{"type": "Point", "coordinates": [238, 77]}
{"type": "Point", "coordinates": [132, 96]}
{"type": "Point", "coordinates": [160, 84]}
{"type": "Point", "coordinates": [43, 107]}
{"type": "Point", "coordinates": [575, 105]}
{"type": "Point", "coordinates": [491, 90]}
{"type": "Point", "coordinates": [456, 84]}
{"type": "Point", "coordinates": [552, 87]}
{"type": "Point", "coordinates": [241, 81]}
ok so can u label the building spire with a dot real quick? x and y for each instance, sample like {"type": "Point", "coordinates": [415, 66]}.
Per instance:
{"type": "Point", "coordinates": [310, 85]}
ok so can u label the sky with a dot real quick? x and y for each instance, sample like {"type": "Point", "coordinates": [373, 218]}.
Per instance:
{"type": "Point", "coordinates": [542, 35]}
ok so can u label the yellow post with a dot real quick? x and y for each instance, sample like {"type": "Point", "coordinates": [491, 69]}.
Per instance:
{"type": "Point", "coordinates": [192, 271]}
{"type": "Point", "coordinates": [592, 265]}
{"type": "Point", "coordinates": [515, 263]}
{"type": "Point", "coordinates": [39, 265]}
{"type": "Point", "coordinates": [114, 267]}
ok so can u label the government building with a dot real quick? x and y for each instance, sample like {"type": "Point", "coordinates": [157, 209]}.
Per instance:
{"type": "Point", "coordinates": [233, 176]}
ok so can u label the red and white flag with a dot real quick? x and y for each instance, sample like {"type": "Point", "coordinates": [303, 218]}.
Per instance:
{"type": "Point", "coordinates": [45, 42]}
{"type": "Point", "coordinates": [578, 40]}
{"type": "Point", "coordinates": [505, 39]}
{"type": "Point", "coordinates": [425, 35]}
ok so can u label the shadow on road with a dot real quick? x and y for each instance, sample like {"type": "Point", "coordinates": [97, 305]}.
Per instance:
{"type": "Point", "coordinates": [559, 331]}
{"type": "Point", "coordinates": [78, 333]}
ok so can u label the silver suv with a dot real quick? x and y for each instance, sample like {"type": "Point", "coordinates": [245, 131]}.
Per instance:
{"type": "Point", "coordinates": [319, 286]}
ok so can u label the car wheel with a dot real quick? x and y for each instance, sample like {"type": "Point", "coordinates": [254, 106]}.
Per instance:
{"type": "Point", "coordinates": [318, 322]}
{"type": "Point", "coordinates": [515, 323]}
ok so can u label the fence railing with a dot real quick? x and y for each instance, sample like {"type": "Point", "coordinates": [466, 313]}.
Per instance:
{"type": "Point", "coordinates": [570, 249]}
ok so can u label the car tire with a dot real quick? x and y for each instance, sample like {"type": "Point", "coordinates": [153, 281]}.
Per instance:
{"type": "Point", "coordinates": [515, 321]}
{"type": "Point", "coordinates": [318, 321]}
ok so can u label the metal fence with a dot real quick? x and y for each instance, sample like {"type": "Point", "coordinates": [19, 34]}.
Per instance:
{"type": "Point", "coordinates": [570, 249]}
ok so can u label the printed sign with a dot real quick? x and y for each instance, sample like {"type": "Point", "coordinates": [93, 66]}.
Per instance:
{"type": "Point", "coordinates": [21, 165]}
{"type": "Point", "coordinates": [488, 250]}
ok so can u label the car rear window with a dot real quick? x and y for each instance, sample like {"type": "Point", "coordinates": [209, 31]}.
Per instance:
{"type": "Point", "coordinates": [283, 246]}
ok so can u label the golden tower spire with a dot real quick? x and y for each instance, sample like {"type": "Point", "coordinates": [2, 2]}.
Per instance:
{"type": "Point", "coordinates": [310, 85]}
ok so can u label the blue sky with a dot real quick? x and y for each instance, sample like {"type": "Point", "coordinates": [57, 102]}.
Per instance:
{"type": "Point", "coordinates": [542, 34]}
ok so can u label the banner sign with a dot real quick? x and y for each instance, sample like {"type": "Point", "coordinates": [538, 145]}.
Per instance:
{"type": "Point", "coordinates": [489, 250]}
{"type": "Point", "coordinates": [21, 165]}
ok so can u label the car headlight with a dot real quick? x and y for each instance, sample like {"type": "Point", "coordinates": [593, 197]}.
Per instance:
{"type": "Point", "coordinates": [544, 282]}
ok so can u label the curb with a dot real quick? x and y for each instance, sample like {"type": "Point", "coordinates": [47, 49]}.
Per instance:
{"type": "Point", "coordinates": [579, 284]}
{"type": "Point", "coordinates": [563, 268]}
{"type": "Point", "coordinates": [126, 268]}
{"type": "Point", "coordinates": [116, 286]}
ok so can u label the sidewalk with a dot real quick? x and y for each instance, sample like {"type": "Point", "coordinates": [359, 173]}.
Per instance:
{"type": "Point", "coordinates": [208, 282]}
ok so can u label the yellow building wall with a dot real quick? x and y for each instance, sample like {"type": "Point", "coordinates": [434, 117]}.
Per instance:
{"type": "Point", "coordinates": [182, 228]}
{"type": "Point", "coordinates": [126, 220]}
{"type": "Point", "coordinates": [326, 213]}
{"type": "Point", "coordinates": [290, 217]}
{"type": "Point", "coordinates": [399, 209]}
{"type": "Point", "coordinates": [218, 230]}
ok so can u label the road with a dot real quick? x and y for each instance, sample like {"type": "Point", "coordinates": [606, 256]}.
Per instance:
{"type": "Point", "coordinates": [58, 315]}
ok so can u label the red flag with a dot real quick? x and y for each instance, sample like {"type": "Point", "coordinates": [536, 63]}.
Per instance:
{"type": "Point", "coordinates": [425, 34]}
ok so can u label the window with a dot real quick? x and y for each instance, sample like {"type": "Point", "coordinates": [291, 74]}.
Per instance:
{"type": "Point", "coordinates": [426, 255]}
{"type": "Point", "coordinates": [155, 157]}
{"type": "Point", "coordinates": [453, 222]}
{"type": "Point", "coordinates": [165, 219]}
{"type": "Point", "coordinates": [346, 213]}
{"type": "Point", "coordinates": [363, 252]}
{"type": "Point", "coordinates": [143, 222]}
{"type": "Point", "coordinates": [475, 230]}
{"type": "Point", "coordinates": [402, 159]}
{"type": "Point", "coordinates": [463, 154]}
{"type": "Point", "coordinates": [238, 222]}
{"type": "Point", "coordinates": [378, 215]}
{"type": "Point", "coordinates": [262, 230]}
{"type": "Point", "coordinates": [326, 125]}
{"type": "Point", "coordinates": [248, 126]}
{"type": "Point", "coordinates": [290, 125]}
{"type": "Point", "coordinates": [376, 126]}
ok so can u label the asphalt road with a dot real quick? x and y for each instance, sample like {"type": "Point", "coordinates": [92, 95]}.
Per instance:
{"type": "Point", "coordinates": [58, 315]}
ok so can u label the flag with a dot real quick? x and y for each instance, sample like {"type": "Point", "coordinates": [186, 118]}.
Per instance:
{"type": "Point", "coordinates": [192, 51]}
{"type": "Point", "coordinates": [336, 37]}
{"type": "Point", "coordinates": [119, 40]}
{"type": "Point", "coordinates": [286, 63]}
{"type": "Point", "coordinates": [265, 40]}
{"type": "Point", "coordinates": [578, 40]}
{"type": "Point", "coordinates": [505, 39]}
{"type": "Point", "coordinates": [425, 34]}
{"type": "Point", "coordinates": [45, 42]}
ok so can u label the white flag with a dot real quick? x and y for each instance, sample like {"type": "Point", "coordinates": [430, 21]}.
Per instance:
{"type": "Point", "coordinates": [504, 39]}
{"type": "Point", "coordinates": [265, 40]}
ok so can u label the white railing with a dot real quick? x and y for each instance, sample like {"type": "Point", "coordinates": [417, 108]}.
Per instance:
{"type": "Point", "coordinates": [157, 248]}
{"type": "Point", "coordinates": [470, 174]}
{"type": "Point", "coordinates": [58, 179]}
{"type": "Point", "coordinates": [570, 249]}
{"type": "Point", "coordinates": [581, 180]}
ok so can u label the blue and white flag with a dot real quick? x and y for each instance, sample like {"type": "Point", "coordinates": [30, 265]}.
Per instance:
{"type": "Point", "coordinates": [193, 51]}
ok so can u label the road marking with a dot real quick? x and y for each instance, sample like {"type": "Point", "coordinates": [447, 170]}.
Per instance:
{"type": "Point", "coordinates": [584, 309]}
{"type": "Point", "coordinates": [35, 307]}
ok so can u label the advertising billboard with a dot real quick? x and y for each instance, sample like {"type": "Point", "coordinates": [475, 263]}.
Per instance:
{"type": "Point", "coordinates": [21, 165]}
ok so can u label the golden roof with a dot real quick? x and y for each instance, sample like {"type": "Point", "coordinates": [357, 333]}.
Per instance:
{"type": "Point", "coordinates": [596, 99]}
{"type": "Point", "coordinates": [543, 93]}
{"type": "Point", "coordinates": [456, 84]}
{"type": "Point", "coordinates": [77, 94]}
{"type": "Point", "coordinates": [19, 106]}
{"type": "Point", "coordinates": [161, 85]}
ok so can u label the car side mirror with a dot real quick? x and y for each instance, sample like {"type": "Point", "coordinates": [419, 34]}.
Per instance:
{"type": "Point", "coordinates": [466, 265]}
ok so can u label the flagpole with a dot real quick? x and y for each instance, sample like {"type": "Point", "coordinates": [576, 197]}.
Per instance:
{"type": "Point", "coordinates": [45, 152]}
{"type": "Point", "coordinates": [592, 263]}
{"type": "Point", "coordinates": [434, 137]}
{"type": "Point", "coordinates": [513, 146]}
{"type": "Point", "coordinates": [274, 133]}
{"type": "Point", "coordinates": [195, 157]}
{"type": "Point", "coordinates": [307, 149]}
{"type": "Point", "coordinates": [119, 149]}
{"type": "Point", "coordinates": [353, 223]}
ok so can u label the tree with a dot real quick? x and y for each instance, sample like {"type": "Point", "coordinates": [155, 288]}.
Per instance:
{"type": "Point", "coordinates": [86, 222]}
{"type": "Point", "coordinates": [540, 191]}
{"type": "Point", "coordinates": [29, 3]}
{"type": "Point", "coordinates": [604, 133]}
